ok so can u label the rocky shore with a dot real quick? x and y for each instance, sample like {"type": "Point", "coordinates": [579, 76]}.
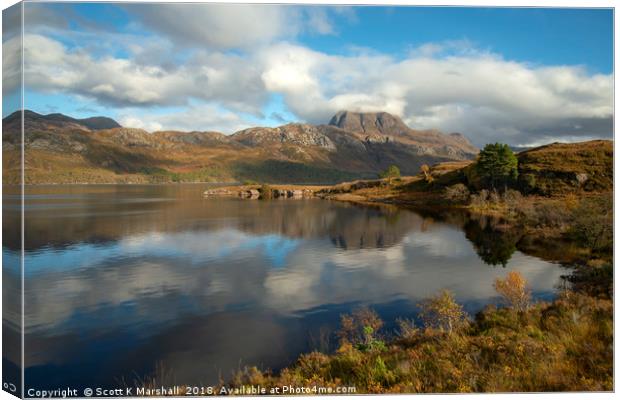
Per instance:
{"type": "Point", "coordinates": [264, 191]}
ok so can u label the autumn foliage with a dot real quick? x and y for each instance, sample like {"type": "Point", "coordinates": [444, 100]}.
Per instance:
{"type": "Point", "coordinates": [443, 312]}
{"type": "Point", "coordinates": [514, 291]}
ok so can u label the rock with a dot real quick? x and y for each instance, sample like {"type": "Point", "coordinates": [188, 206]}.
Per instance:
{"type": "Point", "coordinates": [296, 134]}
{"type": "Point", "coordinates": [218, 192]}
{"type": "Point", "coordinates": [380, 123]}
{"type": "Point", "coordinates": [250, 194]}
{"type": "Point", "coordinates": [581, 178]}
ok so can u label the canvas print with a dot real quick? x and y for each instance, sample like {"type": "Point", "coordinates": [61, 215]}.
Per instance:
{"type": "Point", "coordinates": [241, 199]}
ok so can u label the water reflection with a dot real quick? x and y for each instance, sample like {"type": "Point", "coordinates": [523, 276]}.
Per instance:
{"type": "Point", "coordinates": [494, 244]}
{"type": "Point", "coordinates": [117, 281]}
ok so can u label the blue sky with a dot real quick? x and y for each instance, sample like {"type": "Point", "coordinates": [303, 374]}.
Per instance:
{"type": "Point", "coordinates": [541, 36]}
{"type": "Point", "coordinates": [523, 75]}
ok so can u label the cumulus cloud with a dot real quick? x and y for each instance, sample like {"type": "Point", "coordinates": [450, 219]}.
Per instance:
{"type": "Point", "coordinates": [227, 78]}
{"type": "Point", "coordinates": [206, 117]}
{"type": "Point", "coordinates": [11, 65]}
{"type": "Point", "coordinates": [226, 26]}
{"type": "Point", "coordinates": [477, 93]}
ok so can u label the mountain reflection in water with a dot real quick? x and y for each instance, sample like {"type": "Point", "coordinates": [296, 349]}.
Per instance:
{"type": "Point", "coordinates": [120, 279]}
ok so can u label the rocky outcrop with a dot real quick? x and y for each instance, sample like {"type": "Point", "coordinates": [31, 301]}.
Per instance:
{"type": "Point", "coordinates": [192, 138]}
{"type": "Point", "coordinates": [250, 194]}
{"type": "Point", "coordinates": [132, 137]}
{"type": "Point", "coordinates": [297, 134]}
{"type": "Point", "coordinates": [293, 192]}
{"type": "Point", "coordinates": [384, 128]}
{"type": "Point", "coordinates": [380, 123]}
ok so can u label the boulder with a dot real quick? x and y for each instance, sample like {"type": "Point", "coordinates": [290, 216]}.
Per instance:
{"type": "Point", "coordinates": [249, 194]}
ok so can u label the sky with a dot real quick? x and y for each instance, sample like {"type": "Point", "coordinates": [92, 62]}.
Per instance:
{"type": "Point", "coordinates": [523, 76]}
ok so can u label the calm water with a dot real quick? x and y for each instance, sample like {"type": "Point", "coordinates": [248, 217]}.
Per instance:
{"type": "Point", "coordinates": [120, 279]}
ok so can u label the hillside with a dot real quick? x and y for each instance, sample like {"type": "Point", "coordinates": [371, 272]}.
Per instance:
{"type": "Point", "coordinates": [560, 168]}
{"type": "Point", "coordinates": [550, 172]}
{"type": "Point", "coordinates": [61, 149]}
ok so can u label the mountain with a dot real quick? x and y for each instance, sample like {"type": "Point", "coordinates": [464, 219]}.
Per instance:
{"type": "Point", "coordinates": [382, 126]}
{"type": "Point", "coordinates": [380, 123]}
{"type": "Point", "coordinates": [61, 149]}
{"type": "Point", "coordinates": [92, 123]}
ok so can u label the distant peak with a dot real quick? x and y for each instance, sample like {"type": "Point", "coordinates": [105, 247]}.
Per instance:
{"type": "Point", "coordinates": [369, 122]}
{"type": "Point", "coordinates": [93, 123]}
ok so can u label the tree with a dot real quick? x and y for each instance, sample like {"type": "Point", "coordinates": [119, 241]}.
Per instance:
{"type": "Point", "coordinates": [497, 165]}
{"type": "Point", "coordinates": [360, 329]}
{"type": "Point", "coordinates": [443, 312]}
{"type": "Point", "coordinates": [426, 171]}
{"type": "Point", "coordinates": [390, 173]}
{"type": "Point", "coordinates": [514, 290]}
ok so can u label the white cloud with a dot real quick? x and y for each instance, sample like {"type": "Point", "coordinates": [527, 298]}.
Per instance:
{"type": "Point", "coordinates": [225, 26]}
{"type": "Point", "coordinates": [480, 94]}
{"type": "Point", "coordinates": [450, 86]}
{"type": "Point", "coordinates": [228, 79]}
{"type": "Point", "coordinates": [205, 117]}
{"type": "Point", "coordinates": [131, 121]}
{"type": "Point", "coordinates": [11, 65]}
{"type": "Point", "coordinates": [217, 25]}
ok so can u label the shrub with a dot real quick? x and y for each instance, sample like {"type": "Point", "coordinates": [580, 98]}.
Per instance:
{"type": "Point", "coordinates": [392, 172]}
{"type": "Point", "coordinates": [513, 200]}
{"type": "Point", "coordinates": [265, 191]}
{"type": "Point", "coordinates": [494, 197]}
{"type": "Point", "coordinates": [426, 171]}
{"type": "Point", "coordinates": [594, 280]}
{"type": "Point", "coordinates": [545, 215]}
{"type": "Point", "coordinates": [406, 328]}
{"type": "Point", "coordinates": [457, 193]}
{"type": "Point", "coordinates": [480, 199]}
{"type": "Point", "coordinates": [360, 328]}
{"type": "Point", "coordinates": [443, 312]}
{"type": "Point", "coordinates": [592, 223]}
{"type": "Point", "coordinates": [527, 183]}
{"type": "Point", "coordinates": [514, 291]}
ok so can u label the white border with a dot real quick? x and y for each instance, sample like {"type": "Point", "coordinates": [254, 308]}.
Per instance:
{"type": "Point", "coordinates": [466, 3]}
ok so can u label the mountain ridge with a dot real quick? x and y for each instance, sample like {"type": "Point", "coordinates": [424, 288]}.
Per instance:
{"type": "Point", "coordinates": [93, 123]}
{"type": "Point", "coordinates": [62, 149]}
